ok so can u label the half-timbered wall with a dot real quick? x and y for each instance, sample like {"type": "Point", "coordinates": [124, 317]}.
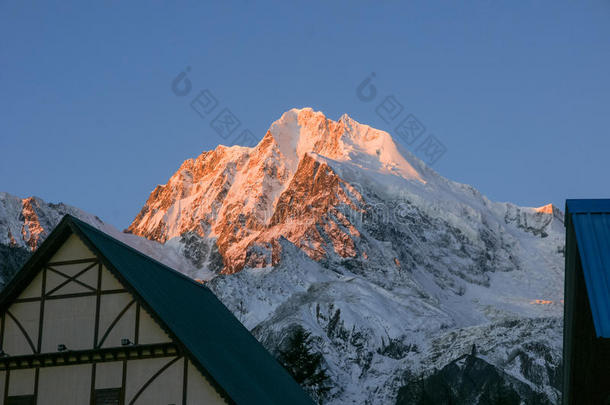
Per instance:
{"type": "Point", "coordinates": [76, 312]}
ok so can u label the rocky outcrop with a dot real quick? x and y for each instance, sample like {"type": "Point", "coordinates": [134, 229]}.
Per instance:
{"type": "Point", "coordinates": [11, 260]}
{"type": "Point", "coordinates": [24, 224]}
{"type": "Point", "coordinates": [245, 198]}
{"type": "Point", "coordinates": [469, 380]}
{"type": "Point", "coordinates": [393, 270]}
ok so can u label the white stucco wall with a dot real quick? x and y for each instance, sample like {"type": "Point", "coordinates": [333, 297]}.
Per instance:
{"type": "Point", "coordinates": [165, 389]}
{"type": "Point", "coordinates": [72, 249]}
{"type": "Point", "coordinates": [72, 321]}
{"type": "Point", "coordinates": [66, 385]}
{"type": "Point", "coordinates": [109, 375]}
{"type": "Point", "coordinates": [15, 342]}
{"type": "Point", "coordinates": [22, 382]}
{"type": "Point", "coordinates": [199, 390]}
{"type": "Point", "coordinates": [110, 307]}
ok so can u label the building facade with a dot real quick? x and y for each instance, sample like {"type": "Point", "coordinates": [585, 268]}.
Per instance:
{"type": "Point", "coordinates": [91, 321]}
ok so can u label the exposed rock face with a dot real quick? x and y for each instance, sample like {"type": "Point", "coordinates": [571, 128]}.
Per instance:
{"type": "Point", "coordinates": [392, 268]}
{"type": "Point", "coordinates": [246, 198]}
{"type": "Point", "coordinates": [24, 224]}
{"type": "Point", "coordinates": [469, 380]}
{"type": "Point", "coordinates": [11, 260]}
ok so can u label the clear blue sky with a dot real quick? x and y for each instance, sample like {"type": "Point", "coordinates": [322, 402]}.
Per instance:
{"type": "Point", "coordinates": [518, 92]}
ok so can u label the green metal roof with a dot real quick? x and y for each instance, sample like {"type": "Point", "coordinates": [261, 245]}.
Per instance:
{"type": "Point", "coordinates": [225, 351]}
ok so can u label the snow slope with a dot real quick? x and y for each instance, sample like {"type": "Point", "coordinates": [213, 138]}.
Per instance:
{"type": "Point", "coordinates": [26, 222]}
{"type": "Point", "coordinates": [331, 226]}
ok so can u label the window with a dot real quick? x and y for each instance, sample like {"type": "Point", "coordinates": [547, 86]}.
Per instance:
{"type": "Point", "coordinates": [108, 396]}
{"type": "Point", "coordinates": [21, 400]}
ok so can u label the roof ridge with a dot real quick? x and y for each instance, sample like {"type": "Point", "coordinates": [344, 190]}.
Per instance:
{"type": "Point", "coordinates": [175, 272]}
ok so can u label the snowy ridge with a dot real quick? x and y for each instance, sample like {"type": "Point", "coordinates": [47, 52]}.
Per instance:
{"type": "Point", "coordinates": [330, 226]}
{"type": "Point", "coordinates": [301, 131]}
{"type": "Point", "coordinates": [25, 223]}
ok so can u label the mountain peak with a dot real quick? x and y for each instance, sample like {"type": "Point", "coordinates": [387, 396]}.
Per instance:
{"type": "Point", "coordinates": [551, 209]}
{"type": "Point", "coordinates": [546, 209]}
{"type": "Point", "coordinates": [236, 194]}
{"type": "Point", "coordinates": [301, 131]}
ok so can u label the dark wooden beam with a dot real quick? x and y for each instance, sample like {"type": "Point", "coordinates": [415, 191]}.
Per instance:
{"type": "Point", "coordinates": [123, 383]}
{"type": "Point", "coordinates": [6, 381]}
{"type": "Point", "coordinates": [136, 336]}
{"type": "Point", "coordinates": [77, 261]}
{"type": "Point", "coordinates": [92, 395]}
{"type": "Point", "coordinates": [73, 278]}
{"type": "Point", "coordinates": [41, 315]}
{"type": "Point", "coordinates": [72, 295]}
{"type": "Point", "coordinates": [98, 296]}
{"type": "Point", "coordinates": [22, 329]}
{"type": "Point", "coordinates": [70, 357]}
{"type": "Point", "coordinates": [114, 322]}
{"type": "Point", "coordinates": [185, 376]}
{"type": "Point", "coordinates": [36, 380]}
{"type": "Point", "coordinates": [151, 379]}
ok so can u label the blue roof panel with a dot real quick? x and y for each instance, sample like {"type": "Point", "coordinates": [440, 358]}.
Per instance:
{"type": "Point", "coordinates": [591, 220]}
{"type": "Point", "coordinates": [588, 206]}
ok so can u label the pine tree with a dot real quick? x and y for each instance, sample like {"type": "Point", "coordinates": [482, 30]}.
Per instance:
{"type": "Point", "coordinates": [305, 365]}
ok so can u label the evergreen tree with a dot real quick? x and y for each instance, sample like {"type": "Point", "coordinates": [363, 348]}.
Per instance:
{"type": "Point", "coordinates": [305, 365]}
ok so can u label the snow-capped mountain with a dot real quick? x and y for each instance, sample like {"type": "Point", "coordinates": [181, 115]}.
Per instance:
{"type": "Point", "coordinates": [396, 271]}
{"type": "Point", "coordinates": [26, 222]}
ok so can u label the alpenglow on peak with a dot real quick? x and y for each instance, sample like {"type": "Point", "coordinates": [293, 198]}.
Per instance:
{"type": "Point", "coordinates": [300, 131]}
